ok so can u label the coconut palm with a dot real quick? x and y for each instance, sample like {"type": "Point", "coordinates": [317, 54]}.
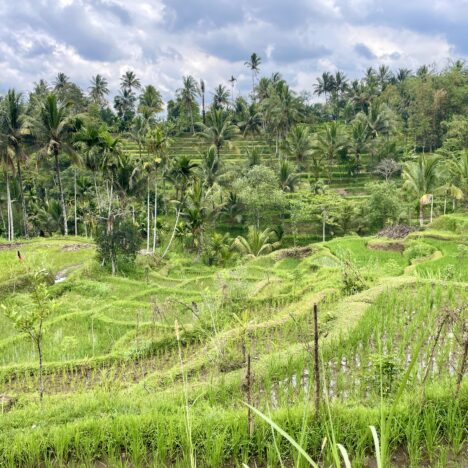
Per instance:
{"type": "Point", "coordinates": [98, 89]}
{"type": "Point", "coordinates": [330, 141]}
{"type": "Point", "coordinates": [14, 130]}
{"type": "Point", "coordinates": [61, 82]}
{"type": "Point", "coordinates": [150, 102]}
{"type": "Point", "coordinates": [220, 97]}
{"type": "Point", "coordinates": [232, 81]}
{"type": "Point", "coordinates": [210, 166]}
{"type": "Point", "coordinates": [188, 94]}
{"type": "Point", "coordinates": [421, 179]}
{"type": "Point", "coordinates": [325, 85]}
{"type": "Point", "coordinates": [298, 144]}
{"type": "Point", "coordinates": [254, 64]}
{"type": "Point", "coordinates": [219, 129]}
{"type": "Point", "coordinates": [129, 81]}
{"type": "Point", "coordinates": [287, 178]}
{"type": "Point", "coordinates": [53, 128]}
{"type": "Point", "coordinates": [202, 94]}
{"type": "Point", "coordinates": [256, 242]}
{"type": "Point", "coordinates": [8, 167]}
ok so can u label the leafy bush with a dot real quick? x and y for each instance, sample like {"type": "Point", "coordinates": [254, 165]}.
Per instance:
{"type": "Point", "coordinates": [117, 243]}
{"type": "Point", "coordinates": [418, 250]}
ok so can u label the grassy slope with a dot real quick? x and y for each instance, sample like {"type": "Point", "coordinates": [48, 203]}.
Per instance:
{"type": "Point", "coordinates": [103, 324]}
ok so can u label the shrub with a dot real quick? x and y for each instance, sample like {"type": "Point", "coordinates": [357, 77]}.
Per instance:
{"type": "Point", "coordinates": [418, 250]}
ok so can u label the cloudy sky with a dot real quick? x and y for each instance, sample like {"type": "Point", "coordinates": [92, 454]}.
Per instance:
{"type": "Point", "coordinates": [161, 40]}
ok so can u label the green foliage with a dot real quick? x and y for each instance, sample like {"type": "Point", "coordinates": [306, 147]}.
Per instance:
{"type": "Point", "coordinates": [117, 242]}
{"type": "Point", "coordinates": [416, 250]}
{"type": "Point", "coordinates": [384, 205]}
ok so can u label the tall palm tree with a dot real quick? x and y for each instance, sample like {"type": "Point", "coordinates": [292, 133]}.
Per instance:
{"type": "Point", "coordinates": [219, 129]}
{"type": "Point", "coordinates": [329, 143]}
{"type": "Point", "coordinates": [150, 102]}
{"type": "Point", "coordinates": [359, 136]}
{"type": "Point", "coordinates": [210, 166]}
{"type": "Point", "coordinates": [256, 242]}
{"type": "Point", "coordinates": [182, 172]}
{"type": "Point", "coordinates": [220, 97]}
{"type": "Point", "coordinates": [298, 144]}
{"type": "Point", "coordinates": [254, 65]}
{"type": "Point", "coordinates": [325, 85]}
{"type": "Point", "coordinates": [53, 128]}
{"type": "Point", "coordinates": [130, 81]}
{"type": "Point", "coordinates": [287, 178]}
{"type": "Point", "coordinates": [232, 81]}
{"type": "Point", "coordinates": [188, 94]}
{"type": "Point", "coordinates": [98, 89]}
{"type": "Point", "coordinates": [421, 179]}
{"type": "Point", "coordinates": [202, 94]}
{"type": "Point", "coordinates": [8, 166]}
{"type": "Point", "coordinates": [62, 81]}
{"type": "Point", "coordinates": [13, 126]}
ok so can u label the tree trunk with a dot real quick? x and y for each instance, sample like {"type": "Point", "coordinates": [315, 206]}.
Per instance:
{"type": "Point", "coordinates": [249, 395]}
{"type": "Point", "coordinates": [432, 207]}
{"type": "Point", "coordinates": [148, 215]}
{"type": "Point", "coordinates": [421, 214]}
{"type": "Point", "coordinates": [76, 218]}
{"type": "Point", "coordinates": [173, 233]}
{"type": "Point", "coordinates": [11, 231]}
{"type": "Point", "coordinates": [316, 361]}
{"type": "Point", "coordinates": [23, 200]}
{"type": "Point", "coordinates": [155, 226]}
{"type": "Point", "coordinates": [41, 380]}
{"type": "Point", "coordinates": [445, 204]}
{"type": "Point", "coordinates": [203, 108]}
{"type": "Point", "coordinates": [62, 198]}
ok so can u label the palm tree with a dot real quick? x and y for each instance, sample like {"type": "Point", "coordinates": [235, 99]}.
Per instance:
{"type": "Point", "coordinates": [254, 65]}
{"type": "Point", "coordinates": [188, 94]}
{"type": "Point", "coordinates": [329, 143]}
{"type": "Point", "coordinates": [61, 82]}
{"type": "Point", "coordinates": [287, 178]}
{"type": "Point", "coordinates": [402, 74]}
{"type": "Point", "coordinates": [232, 80]}
{"type": "Point", "coordinates": [298, 144]}
{"type": "Point", "coordinates": [210, 166]}
{"type": "Point", "coordinates": [458, 170]}
{"type": "Point", "coordinates": [324, 85]}
{"type": "Point", "coordinates": [220, 97]}
{"type": "Point", "coordinates": [138, 131]}
{"type": "Point", "coordinates": [421, 179]}
{"type": "Point", "coordinates": [54, 129]}
{"type": "Point", "coordinates": [219, 129]}
{"type": "Point", "coordinates": [256, 242]}
{"type": "Point", "coordinates": [8, 165]}
{"type": "Point", "coordinates": [181, 174]}
{"type": "Point", "coordinates": [150, 102]}
{"type": "Point", "coordinates": [359, 137]}
{"type": "Point", "coordinates": [98, 89]}
{"type": "Point", "coordinates": [384, 76]}
{"type": "Point", "coordinates": [202, 94]}
{"type": "Point", "coordinates": [14, 129]}
{"type": "Point", "coordinates": [129, 81]}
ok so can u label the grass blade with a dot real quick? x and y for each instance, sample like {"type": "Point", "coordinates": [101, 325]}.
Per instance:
{"type": "Point", "coordinates": [284, 434]}
{"type": "Point", "coordinates": [375, 436]}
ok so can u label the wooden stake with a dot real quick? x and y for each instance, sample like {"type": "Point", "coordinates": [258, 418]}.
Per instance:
{"type": "Point", "coordinates": [316, 361]}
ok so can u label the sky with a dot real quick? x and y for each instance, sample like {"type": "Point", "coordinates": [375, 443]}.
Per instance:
{"type": "Point", "coordinates": [162, 40]}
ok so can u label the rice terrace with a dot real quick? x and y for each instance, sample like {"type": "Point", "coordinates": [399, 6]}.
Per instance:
{"type": "Point", "coordinates": [215, 258]}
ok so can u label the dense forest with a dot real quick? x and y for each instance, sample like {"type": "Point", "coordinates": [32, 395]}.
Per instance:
{"type": "Point", "coordinates": [372, 152]}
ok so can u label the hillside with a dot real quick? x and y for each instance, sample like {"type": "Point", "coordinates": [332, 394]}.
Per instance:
{"type": "Point", "coordinates": [150, 367]}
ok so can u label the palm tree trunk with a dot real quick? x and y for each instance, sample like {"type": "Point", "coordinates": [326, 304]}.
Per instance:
{"type": "Point", "coordinates": [445, 204]}
{"type": "Point", "coordinates": [173, 233]}
{"type": "Point", "coordinates": [155, 227]}
{"type": "Point", "coordinates": [11, 231]}
{"type": "Point", "coordinates": [76, 218]}
{"type": "Point", "coordinates": [148, 214]}
{"type": "Point", "coordinates": [421, 214]}
{"type": "Point", "coordinates": [23, 200]}
{"type": "Point", "coordinates": [203, 108]}
{"type": "Point", "coordinates": [62, 198]}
